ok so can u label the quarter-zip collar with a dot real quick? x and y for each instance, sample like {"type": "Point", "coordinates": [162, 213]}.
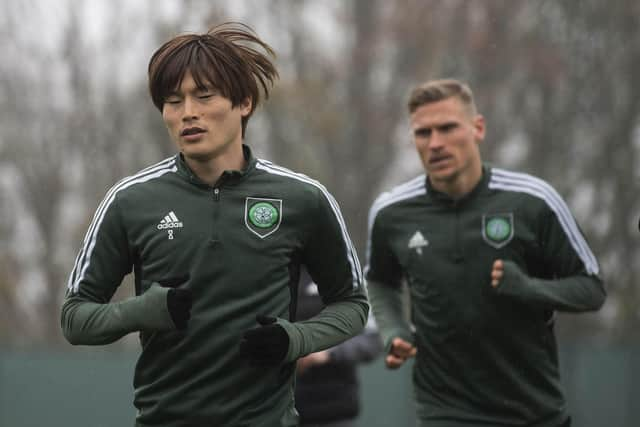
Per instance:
{"type": "Point", "coordinates": [228, 176]}
{"type": "Point", "coordinates": [481, 186]}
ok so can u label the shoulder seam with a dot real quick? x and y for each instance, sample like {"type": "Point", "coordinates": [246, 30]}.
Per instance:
{"type": "Point", "coordinates": [408, 190]}
{"type": "Point", "coordinates": [84, 255]}
{"type": "Point", "coordinates": [412, 188]}
{"type": "Point", "coordinates": [271, 168]}
{"type": "Point", "coordinates": [524, 183]}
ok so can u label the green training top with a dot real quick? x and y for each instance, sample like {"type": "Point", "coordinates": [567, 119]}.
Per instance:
{"type": "Point", "coordinates": [241, 242]}
{"type": "Point", "coordinates": [485, 356]}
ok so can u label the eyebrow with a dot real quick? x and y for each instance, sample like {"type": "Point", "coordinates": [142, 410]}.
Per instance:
{"type": "Point", "coordinates": [439, 126]}
{"type": "Point", "coordinates": [447, 124]}
{"type": "Point", "coordinates": [207, 88]}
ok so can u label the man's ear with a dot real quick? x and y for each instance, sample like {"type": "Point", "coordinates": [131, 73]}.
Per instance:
{"type": "Point", "coordinates": [478, 126]}
{"type": "Point", "coordinates": [246, 106]}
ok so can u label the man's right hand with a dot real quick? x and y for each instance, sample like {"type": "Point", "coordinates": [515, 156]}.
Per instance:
{"type": "Point", "coordinates": [179, 301]}
{"type": "Point", "coordinates": [399, 353]}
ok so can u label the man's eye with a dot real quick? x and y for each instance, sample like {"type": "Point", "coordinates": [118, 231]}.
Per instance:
{"type": "Point", "coordinates": [172, 101]}
{"type": "Point", "coordinates": [423, 132]}
{"type": "Point", "coordinates": [206, 95]}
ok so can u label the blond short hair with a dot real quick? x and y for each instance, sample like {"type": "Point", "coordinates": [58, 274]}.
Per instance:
{"type": "Point", "coordinates": [438, 90]}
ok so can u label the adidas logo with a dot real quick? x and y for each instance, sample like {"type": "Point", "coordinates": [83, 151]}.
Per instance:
{"type": "Point", "coordinates": [417, 242]}
{"type": "Point", "coordinates": [169, 221]}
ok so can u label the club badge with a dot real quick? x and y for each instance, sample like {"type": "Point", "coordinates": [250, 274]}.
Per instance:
{"type": "Point", "coordinates": [262, 216]}
{"type": "Point", "coordinates": [497, 229]}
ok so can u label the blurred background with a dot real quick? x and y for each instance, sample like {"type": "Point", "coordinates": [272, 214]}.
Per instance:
{"type": "Point", "coordinates": [557, 81]}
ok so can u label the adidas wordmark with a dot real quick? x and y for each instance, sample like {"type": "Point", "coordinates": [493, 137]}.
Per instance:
{"type": "Point", "coordinates": [170, 221]}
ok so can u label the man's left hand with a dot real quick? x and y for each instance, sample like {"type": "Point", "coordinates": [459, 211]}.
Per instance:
{"type": "Point", "coordinates": [497, 272]}
{"type": "Point", "coordinates": [267, 344]}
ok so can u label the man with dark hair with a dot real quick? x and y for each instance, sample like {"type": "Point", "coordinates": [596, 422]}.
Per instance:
{"type": "Point", "coordinates": [488, 256]}
{"type": "Point", "coordinates": [215, 239]}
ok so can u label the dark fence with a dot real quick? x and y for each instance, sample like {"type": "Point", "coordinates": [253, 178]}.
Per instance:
{"type": "Point", "coordinates": [92, 388]}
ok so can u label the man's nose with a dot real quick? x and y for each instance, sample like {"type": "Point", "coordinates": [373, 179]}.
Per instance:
{"type": "Point", "coordinates": [190, 111]}
{"type": "Point", "coordinates": [436, 141]}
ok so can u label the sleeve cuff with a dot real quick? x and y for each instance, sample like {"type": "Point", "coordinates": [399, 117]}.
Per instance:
{"type": "Point", "coordinates": [148, 311]}
{"type": "Point", "coordinates": [397, 333]}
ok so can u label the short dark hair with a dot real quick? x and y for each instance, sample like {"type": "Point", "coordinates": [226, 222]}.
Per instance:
{"type": "Point", "coordinates": [438, 90]}
{"type": "Point", "coordinates": [229, 57]}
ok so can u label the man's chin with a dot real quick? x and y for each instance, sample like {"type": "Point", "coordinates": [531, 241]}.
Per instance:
{"type": "Point", "coordinates": [203, 153]}
{"type": "Point", "coordinates": [441, 174]}
{"type": "Point", "coordinates": [198, 155]}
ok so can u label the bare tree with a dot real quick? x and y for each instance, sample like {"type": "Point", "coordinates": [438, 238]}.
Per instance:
{"type": "Point", "coordinates": [537, 69]}
{"type": "Point", "coordinates": [555, 81]}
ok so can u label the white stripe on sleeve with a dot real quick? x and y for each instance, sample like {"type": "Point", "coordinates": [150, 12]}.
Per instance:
{"type": "Point", "coordinates": [351, 253]}
{"type": "Point", "coordinates": [524, 183]}
{"type": "Point", "coordinates": [84, 256]}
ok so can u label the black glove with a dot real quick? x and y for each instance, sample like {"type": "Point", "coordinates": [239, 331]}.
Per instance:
{"type": "Point", "coordinates": [267, 344]}
{"type": "Point", "coordinates": [179, 301]}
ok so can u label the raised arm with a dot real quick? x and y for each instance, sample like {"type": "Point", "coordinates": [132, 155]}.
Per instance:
{"type": "Point", "coordinates": [87, 316]}
{"type": "Point", "coordinates": [570, 279]}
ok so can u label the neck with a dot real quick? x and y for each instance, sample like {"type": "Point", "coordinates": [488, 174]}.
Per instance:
{"type": "Point", "coordinates": [209, 169]}
{"type": "Point", "coordinates": [460, 185]}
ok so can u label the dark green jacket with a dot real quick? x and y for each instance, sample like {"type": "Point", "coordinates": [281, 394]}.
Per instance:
{"type": "Point", "coordinates": [242, 243]}
{"type": "Point", "coordinates": [485, 356]}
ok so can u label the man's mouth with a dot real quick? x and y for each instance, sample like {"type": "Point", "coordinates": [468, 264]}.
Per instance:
{"type": "Point", "coordinates": [438, 159]}
{"type": "Point", "coordinates": [191, 131]}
